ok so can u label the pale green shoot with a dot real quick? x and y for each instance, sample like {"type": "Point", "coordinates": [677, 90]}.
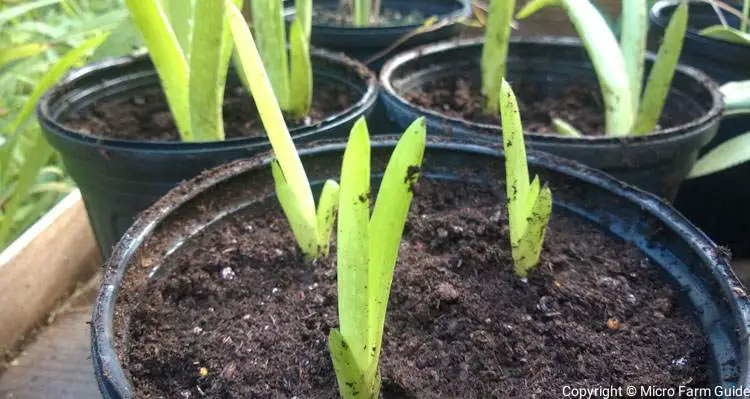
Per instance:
{"type": "Point", "coordinates": [529, 206]}
{"type": "Point", "coordinates": [633, 41]}
{"type": "Point", "coordinates": [730, 153]}
{"type": "Point", "coordinates": [736, 96]}
{"type": "Point", "coordinates": [291, 81]}
{"type": "Point", "coordinates": [565, 128]}
{"type": "Point", "coordinates": [311, 228]}
{"type": "Point", "coordinates": [619, 68]}
{"type": "Point", "coordinates": [660, 79]}
{"type": "Point", "coordinates": [367, 251]}
{"type": "Point", "coordinates": [181, 17]}
{"type": "Point", "coordinates": [362, 12]}
{"type": "Point", "coordinates": [495, 51]}
{"type": "Point", "coordinates": [174, 30]}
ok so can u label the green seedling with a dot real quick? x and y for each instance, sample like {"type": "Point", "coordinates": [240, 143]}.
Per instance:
{"type": "Point", "coordinates": [290, 71]}
{"type": "Point", "coordinates": [619, 67]}
{"type": "Point", "coordinates": [312, 228]}
{"type": "Point", "coordinates": [189, 43]}
{"type": "Point", "coordinates": [529, 206]}
{"type": "Point", "coordinates": [367, 246]}
{"type": "Point", "coordinates": [367, 251]}
{"type": "Point", "coordinates": [495, 51]}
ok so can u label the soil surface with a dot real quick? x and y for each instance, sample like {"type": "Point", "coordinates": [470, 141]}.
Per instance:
{"type": "Point", "coordinates": [146, 117]}
{"type": "Point", "coordinates": [241, 316]}
{"type": "Point", "coordinates": [580, 104]}
{"type": "Point", "coordinates": [343, 16]}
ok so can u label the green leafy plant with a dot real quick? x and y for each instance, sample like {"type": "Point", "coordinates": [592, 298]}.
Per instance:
{"type": "Point", "coordinates": [529, 206]}
{"type": "Point", "coordinates": [619, 66]}
{"type": "Point", "coordinates": [367, 249]}
{"type": "Point", "coordinates": [495, 51]}
{"type": "Point", "coordinates": [290, 72]}
{"type": "Point", "coordinates": [312, 228]}
{"type": "Point", "coordinates": [189, 44]}
{"type": "Point", "coordinates": [39, 42]}
{"type": "Point", "coordinates": [728, 33]}
{"type": "Point", "coordinates": [367, 246]}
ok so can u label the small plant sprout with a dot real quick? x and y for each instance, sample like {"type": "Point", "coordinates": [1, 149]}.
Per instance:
{"type": "Point", "coordinates": [367, 251]}
{"type": "Point", "coordinates": [495, 51]}
{"type": "Point", "coordinates": [619, 67]}
{"type": "Point", "coordinates": [290, 71]}
{"type": "Point", "coordinates": [312, 228]}
{"type": "Point", "coordinates": [189, 44]}
{"type": "Point", "coordinates": [529, 206]}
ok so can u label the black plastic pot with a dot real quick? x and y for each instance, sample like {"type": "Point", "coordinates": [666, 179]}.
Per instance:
{"type": "Point", "coordinates": [721, 60]}
{"type": "Point", "coordinates": [657, 162]}
{"type": "Point", "coordinates": [690, 261]}
{"type": "Point", "coordinates": [717, 203]}
{"type": "Point", "coordinates": [118, 179]}
{"type": "Point", "coordinates": [362, 43]}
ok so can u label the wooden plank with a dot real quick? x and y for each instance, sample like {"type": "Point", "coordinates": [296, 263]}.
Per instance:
{"type": "Point", "coordinates": [42, 268]}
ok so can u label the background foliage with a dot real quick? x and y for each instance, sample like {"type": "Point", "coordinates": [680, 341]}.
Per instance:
{"type": "Point", "coordinates": [36, 36]}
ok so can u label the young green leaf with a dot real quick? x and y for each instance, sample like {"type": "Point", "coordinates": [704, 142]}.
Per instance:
{"type": "Point", "coordinates": [388, 220]}
{"type": "Point", "coordinates": [181, 17]}
{"type": "Point", "coordinates": [736, 96]}
{"type": "Point", "coordinates": [565, 128]}
{"type": "Point", "coordinates": [529, 207]}
{"type": "Point", "coordinates": [660, 78]}
{"type": "Point", "coordinates": [268, 24]}
{"type": "Point", "coordinates": [302, 212]}
{"type": "Point", "coordinates": [605, 54]}
{"type": "Point", "coordinates": [529, 248]}
{"type": "Point", "coordinates": [362, 9]}
{"type": "Point", "coordinates": [168, 58]}
{"type": "Point", "coordinates": [367, 252]}
{"type": "Point", "coordinates": [208, 71]}
{"type": "Point", "coordinates": [730, 153]}
{"type": "Point", "coordinates": [304, 231]}
{"type": "Point", "coordinates": [634, 33]}
{"type": "Point", "coordinates": [727, 34]}
{"type": "Point", "coordinates": [353, 245]}
{"type": "Point", "coordinates": [495, 51]}
{"type": "Point", "coordinates": [303, 10]}
{"type": "Point", "coordinates": [517, 171]}
{"type": "Point", "coordinates": [301, 72]}
{"type": "Point", "coordinates": [349, 375]}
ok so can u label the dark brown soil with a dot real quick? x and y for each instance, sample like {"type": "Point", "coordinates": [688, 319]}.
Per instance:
{"type": "Point", "coordinates": [343, 16]}
{"type": "Point", "coordinates": [240, 316]}
{"type": "Point", "coordinates": [147, 117]}
{"type": "Point", "coordinates": [580, 104]}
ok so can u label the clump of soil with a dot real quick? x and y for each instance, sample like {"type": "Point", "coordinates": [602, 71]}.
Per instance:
{"type": "Point", "coordinates": [146, 117]}
{"type": "Point", "coordinates": [239, 315]}
{"type": "Point", "coordinates": [343, 16]}
{"type": "Point", "coordinates": [580, 104]}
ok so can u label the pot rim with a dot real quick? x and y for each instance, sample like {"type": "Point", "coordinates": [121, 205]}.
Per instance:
{"type": "Point", "coordinates": [709, 254]}
{"type": "Point", "coordinates": [53, 125]}
{"type": "Point", "coordinates": [453, 16]}
{"type": "Point", "coordinates": [396, 62]}
{"type": "Point", "coordinates": [656, 16]}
